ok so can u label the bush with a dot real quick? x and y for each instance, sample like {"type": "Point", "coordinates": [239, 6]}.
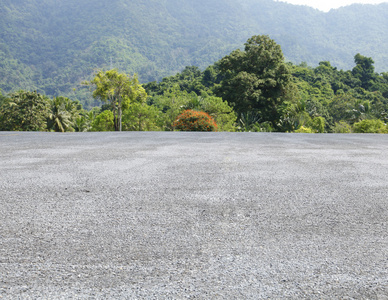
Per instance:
{"type": "Point", "coordinates": [303, 129]}
{"type": "Point", "coordinates": [191, 120]}
{"type": "Point", "coordinates": [342, 127]}
{"type": "Point", "coordinates": [318, 124]}
{"type": "Point", "coordinates": [104, 122]}
{"type": "Point", "coordinates": [370, 126]}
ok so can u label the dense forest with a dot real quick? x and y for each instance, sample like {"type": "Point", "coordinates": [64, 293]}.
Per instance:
{"type": "Point", "coordinates": [254, 89]}
{"type": "Point", "coordinates": [52, 46]}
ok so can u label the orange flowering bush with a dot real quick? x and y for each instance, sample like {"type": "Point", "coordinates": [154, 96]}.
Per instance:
{"type": "Point", "coordinates": [191, 120]}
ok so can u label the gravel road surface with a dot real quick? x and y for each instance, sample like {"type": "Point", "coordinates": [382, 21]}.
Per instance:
{"type": "Point", "coordinates": [193, 216]}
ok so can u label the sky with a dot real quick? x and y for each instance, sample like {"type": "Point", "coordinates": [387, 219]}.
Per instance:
{"type": "Point", "coordinates": [326, 5]}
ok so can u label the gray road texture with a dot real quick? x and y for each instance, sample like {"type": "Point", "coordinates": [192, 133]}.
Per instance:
{"type": "Point", "coordinates": [193, 216]}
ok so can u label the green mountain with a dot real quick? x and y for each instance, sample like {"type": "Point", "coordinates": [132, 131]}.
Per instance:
{"type": "Point", "coordinates": [53, 45]}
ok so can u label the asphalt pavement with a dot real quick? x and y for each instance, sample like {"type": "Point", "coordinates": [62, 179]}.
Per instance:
{"type": "Point", "coordinates": [174, 215]}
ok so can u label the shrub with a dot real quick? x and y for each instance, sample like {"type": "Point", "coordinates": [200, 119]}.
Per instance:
{"type": "Point", "coordinates": [318, 124]}
{"type": "Point", "coordinates": [370, 126]}
{"type": "Point", "coordinates": [104, 121]}
{"type": "Point", "coordinates": [303, 129]}
{"type": "Point", "coordinates": [191, 120]}
{"type": "Point", "coordinates": [342, 127]}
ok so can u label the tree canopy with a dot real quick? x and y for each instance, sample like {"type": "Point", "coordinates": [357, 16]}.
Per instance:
{"type": "Point", "coordinates": [256, 79]}
{"type": "Point", "coordinates": [119, 90]}
{"type": "Point", "coordinates": [24, 111]}
{"type": "Point", "coordinates": [248, 90]}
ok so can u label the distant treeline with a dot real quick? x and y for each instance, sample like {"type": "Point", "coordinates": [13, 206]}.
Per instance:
{"type": "Point", "coordinates": [248, 90]}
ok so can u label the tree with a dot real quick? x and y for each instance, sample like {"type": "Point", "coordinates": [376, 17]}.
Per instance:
{"type": "Point", "coordinates": [2, 115]}
{"type": "Point", "coordinates": [63, 115]}
{"type": "Point", "coordinates": [341, 107]}
{"type": "Point", "coordinates": [364, 70]}
{"type": "Point", "coordinates": [256, 79]}
{"type": "Point", "coordinates": [119, 90]}
{"type": "Point", "coordinates": [24, 111]}
{"type": "Point", "coordinates": [2, 98]}
{"type": "Point", "coordinates": [294, 115]}
{"type": "Point", "coordinates": [84, 120]}
{"type": "Point", "coordinates": [172, 103]}
{"type": "Point", "coordinates": [220, 111]}
{"type": "Point", "coordinates": [141, 117]}
{"type": "Point", "coordinates": [103, 122]}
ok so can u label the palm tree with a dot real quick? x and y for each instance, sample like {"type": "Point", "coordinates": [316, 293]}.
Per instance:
{"type": "Point", "coordinates": [84, 120]}
{"type": "Point", "coordinates": [61, 115]}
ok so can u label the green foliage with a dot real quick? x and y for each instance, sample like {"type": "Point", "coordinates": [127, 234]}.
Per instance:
{"type": "Point", "coordinates": [256, 85]}
{"type": "Point", "coordinates": [303, 129]}
{"type": "Point", "coordinates": [2, 98]}
{"type": "Point", "coordinates": [318, 124]}
{"type": "Point", "coordinates": [342, 127]}
{"type": "Point", "coordinates": [189, 80]}
{"type": "Point", "coordinates": [141, 117]}
{"type": "Point", "coordinates": [51, 47]}
{"type": "Point", "coordinates": [85, 119]}
{"type": "Point", "coordinates": [82, 123]}
{"type": "Point", "coordinates": [364, 70]}
{"type": "Point", "coordinates": [103, 122]}
{"type": "Point", "coordinates": [191, 120]}
{"type": "Point", "coordinates": [219, 110]}
{"type": "Point", "coordinates": [294, 115]}
{"type": "Point", "coordinates": [317, 98]}
{"type": "Point", "coordinates": [340, 97]}
{"type": "Point", "coordinates": [341, 107]}
{"type": "Point", "coordinates": [175, 94]}
{"type": "Point", "coordinates": [63, 115]}
{"type": "Point", "coordinates": [249, 122]}
{"type": "Point", "coordinates": [119, 91]}
{"type": "Point", "coordinates": [171, 104]}
{"type": "Point", "coordinates": [256, 79]}
{"type": "Point", "coordinates": [24, 111]}
{"type": "Point", "coordinates": [370, 126]}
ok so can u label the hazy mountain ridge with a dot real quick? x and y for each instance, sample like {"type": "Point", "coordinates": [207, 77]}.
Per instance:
{"type": "Point", "coordinates": [52, 45]}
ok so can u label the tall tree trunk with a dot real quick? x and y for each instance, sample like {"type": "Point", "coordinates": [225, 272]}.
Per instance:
{"type": "Point", "coordinates": [115, 120]}
{"type": "Point", "coordinates": [120, 117]}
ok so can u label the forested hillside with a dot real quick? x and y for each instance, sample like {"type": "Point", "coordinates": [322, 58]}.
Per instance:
{"type": "Point", "coordinates": [51, 45]}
